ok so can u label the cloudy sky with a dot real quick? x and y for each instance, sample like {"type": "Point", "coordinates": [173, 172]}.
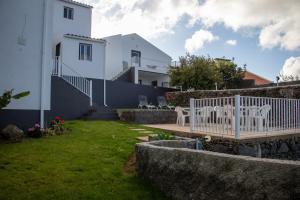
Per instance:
{"type": "Point", "coordinates": [264, 34]}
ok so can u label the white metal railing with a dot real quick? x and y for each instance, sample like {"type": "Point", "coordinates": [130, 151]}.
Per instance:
{"type": "Point", "coordinates": [57, 66]}
{"type": "Point", "coordinates": [243, 115]}
{"type": "Point", "coordinates": [73, 78]}
{"type": "Point", "coordinates": [150, 64]}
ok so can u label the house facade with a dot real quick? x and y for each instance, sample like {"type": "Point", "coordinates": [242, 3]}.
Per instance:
{"type": "Point", "coordinates": [132, 52]}
{"type": "Point", "coordinates": [47, 49]}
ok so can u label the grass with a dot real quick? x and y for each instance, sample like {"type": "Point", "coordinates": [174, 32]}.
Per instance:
{"type": "Point", "coordinates": [85, 164]}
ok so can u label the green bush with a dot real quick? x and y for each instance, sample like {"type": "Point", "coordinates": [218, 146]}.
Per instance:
{"type": "Point", "coordinates": [164, 136]}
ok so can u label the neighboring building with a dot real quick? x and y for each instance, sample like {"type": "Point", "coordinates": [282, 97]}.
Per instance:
{"type": "Point", "coordinates": [258, 80]}
{"type": "Point", "coordinates": [132, 52]}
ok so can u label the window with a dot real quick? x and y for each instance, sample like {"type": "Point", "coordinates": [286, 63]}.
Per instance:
{"type": "Point", "coordinates": [68, 13]}
{"type": "Point", "coordinates": [154, 83]}
{"type": "Point", "coordinates": [85, 52]}
{"type": "Point", "coordinates": [135, 58]}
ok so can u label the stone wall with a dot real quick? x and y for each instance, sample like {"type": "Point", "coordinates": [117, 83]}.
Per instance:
{"type": "Point", "coordinates": [184, 174]}
{"type": "Point", "coordinates": [141, 116]}
{"type": "Point", "coordinates": [280, 147]}
{"type": "Point", "coordinates": [182, 98]}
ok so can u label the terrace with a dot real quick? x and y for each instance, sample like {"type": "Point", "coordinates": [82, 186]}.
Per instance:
{"type": "Point", "coordinates": [237, 117]}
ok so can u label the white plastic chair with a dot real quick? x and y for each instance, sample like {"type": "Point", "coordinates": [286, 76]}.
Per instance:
{"type": "Point", "coordinates": [204, 113]}
{"type": "Point", "coordinates": [181, 115]}
{"type": "Point", "coordinates": [263, 117]}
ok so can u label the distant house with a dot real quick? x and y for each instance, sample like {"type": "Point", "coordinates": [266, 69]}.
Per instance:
{"type": "Point", "coordinates": [147, 63]}
{"type": "Point", "coordinates": [258, 80]}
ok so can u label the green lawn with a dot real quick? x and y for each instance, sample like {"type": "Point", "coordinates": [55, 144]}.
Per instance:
{"type": "Point", "coordinates": [85, 164]}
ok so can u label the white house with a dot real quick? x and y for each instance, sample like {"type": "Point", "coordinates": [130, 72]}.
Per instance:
{"type": "Point", "coordinates": [150, 64]}
{"type": "Point", "coordinates": [45, 38]}
{"type": "Point", "coordinates": [75, 52]}
{"type": "Point", "coordinates": [26, 55]}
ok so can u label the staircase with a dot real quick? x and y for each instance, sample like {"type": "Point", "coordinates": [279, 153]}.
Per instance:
{"type": "Point", "coordinates": [121, 74]}
{"type": "Point", "coordinates": [73, 78]}
{"type": "Point", "coordinates": [85, 86]}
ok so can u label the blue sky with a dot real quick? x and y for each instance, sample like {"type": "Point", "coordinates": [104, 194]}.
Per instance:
{"type": "Point", "coordinates": [264, 34]}
{"type": "Point", "coordinates": [265, 62]}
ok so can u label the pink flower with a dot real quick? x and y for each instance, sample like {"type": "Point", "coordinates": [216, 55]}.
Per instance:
{"type": "Point", "coordinates": [37, 125]}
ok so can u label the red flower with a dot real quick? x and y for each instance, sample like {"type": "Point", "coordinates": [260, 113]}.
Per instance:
{"type": "Point", "coordinates": [62, 121]}
{"type": "Point", "coordinates": [57, 118]}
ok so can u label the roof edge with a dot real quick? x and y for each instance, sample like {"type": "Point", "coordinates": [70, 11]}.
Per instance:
{"type": "Point", "coordinates": [77, 3]}
{"type": "Point", "coordinates": [81, 37]}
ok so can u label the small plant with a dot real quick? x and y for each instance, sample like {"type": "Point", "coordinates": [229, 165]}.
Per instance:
{"type": "Point", "coordinates": [35, 131]}
{"type": "Point", "coordinates": [7, 96]}
{"type": "Point", "coordinates": [57, 125]}
{"type": "Point", "coordinates": [164, 136]}
{"type": "Point", "coordinates": [48, 132]}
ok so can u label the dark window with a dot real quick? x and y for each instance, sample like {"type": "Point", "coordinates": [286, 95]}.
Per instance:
{"type": "Point", "coordinates": [154, 83]}
{"type": "Point", "coordinates": [85, 51]}
{"type": "Point", "coordinates": [135, 58]}
{"type": "Point", "coordinates": [68, 13]}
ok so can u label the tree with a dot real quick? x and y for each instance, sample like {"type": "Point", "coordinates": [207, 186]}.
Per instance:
{"type": "Point", "coordinates": [196, 72]}
{"type": "Point", "coordinates": [7, 96]}
{"type": "Point", "coordinates": [199, 72]}
{"type": "Point", "coordinates": [230, 75]}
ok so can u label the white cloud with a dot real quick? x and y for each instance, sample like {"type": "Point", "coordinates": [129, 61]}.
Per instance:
{"type": "Point", "coordinates": [275, 21]}
{"type": "Point", "coordinates": [291, 67]}
{"type": "Point", "coordinates": [149, 18]}
{"type": "Point", "coordinates": [198, 40]}
{"type": "Point", "coordinates": [231, 42]}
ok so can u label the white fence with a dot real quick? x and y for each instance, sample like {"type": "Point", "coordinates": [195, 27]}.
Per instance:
{"type": "Point", "coordinates": [242, 115]}
{"type": "Point", "coordinates": [72, 77]}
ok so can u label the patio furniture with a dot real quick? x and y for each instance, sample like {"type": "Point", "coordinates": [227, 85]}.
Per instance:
{"type": "Point", "coordinates": [182, 114]}
{"type": "Point", "coordinates": [263, 117]}
{"type": "Point", "coordinates": [162, 103]}
{"type": "Point", "coordinates": [143, 103]}
{"type": "Point", "coordinates": [204, 113]}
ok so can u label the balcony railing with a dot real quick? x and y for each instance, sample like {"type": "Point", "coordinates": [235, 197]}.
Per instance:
{"type": "Point", "coordinates": [242, 115]}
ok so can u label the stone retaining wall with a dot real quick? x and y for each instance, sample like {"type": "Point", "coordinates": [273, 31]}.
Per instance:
{"type": "Point", "coordinates": [183, 173]}
{"type": "Point", "coordinates": [141, 116]}
{"type": "Point", "coordinates": [182, 98]}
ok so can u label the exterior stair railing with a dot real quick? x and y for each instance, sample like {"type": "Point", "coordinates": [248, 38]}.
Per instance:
{"type": "Point", "coordinates": [120, 74]}
{"type": "Point", "coordinates": [72, 77]}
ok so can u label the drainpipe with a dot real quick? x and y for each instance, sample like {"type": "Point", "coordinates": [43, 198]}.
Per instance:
{"type": "Point", "coordinates": [104, 76]}
{"type": "Point", "coordinates": [44, 63]}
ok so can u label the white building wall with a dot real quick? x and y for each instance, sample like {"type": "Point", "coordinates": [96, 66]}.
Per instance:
{"type": "Point", "coordinates": [80, 25]}
{"type": "Point", "coordinates": [113, 56]}
{"type": "Point", "coordinates": [21, 39]}
{"type": "Point", "coordinates": [150, 55]}
{"type": "Point", "coordinates": [89, 69]}
{"type": "Point", "coordinates": [148, 78]}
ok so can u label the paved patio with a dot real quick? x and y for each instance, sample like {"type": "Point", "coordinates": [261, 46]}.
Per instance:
{"type": "Point", "coordinates": [184, 131]}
